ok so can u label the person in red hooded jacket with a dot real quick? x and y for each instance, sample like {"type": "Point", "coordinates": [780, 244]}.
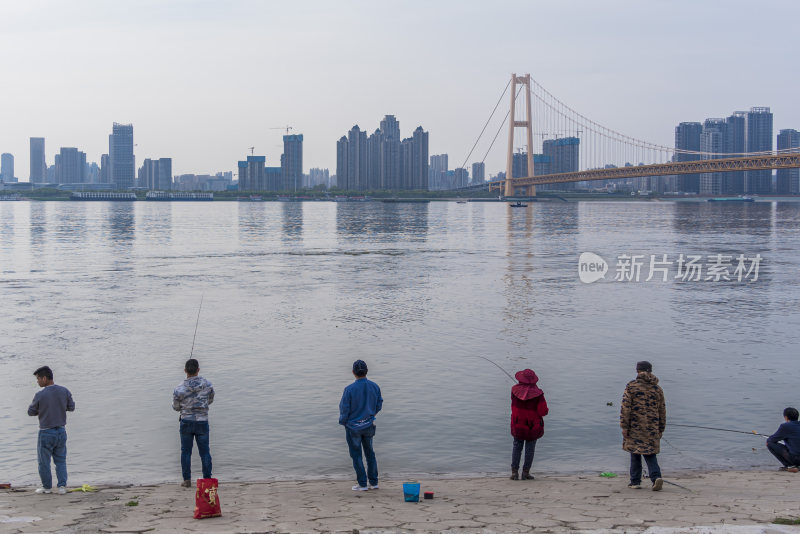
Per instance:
{"type": "Point", "coordinates": [528, 407]}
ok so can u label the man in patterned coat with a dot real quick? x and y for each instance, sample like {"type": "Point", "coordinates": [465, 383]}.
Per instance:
{"type": "Point", "coordinates": [191, 398]}
{"type": "Point", "coordinates": [643, 418]}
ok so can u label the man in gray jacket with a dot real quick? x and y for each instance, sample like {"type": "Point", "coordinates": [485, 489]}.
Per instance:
{"type": "Point", "coordinates": [192, 398]}
{"type": "Point", "coordinates": [51, 404]}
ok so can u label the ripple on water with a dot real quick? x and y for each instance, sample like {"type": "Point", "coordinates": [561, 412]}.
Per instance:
{"type": "Point", "coordinates": [293, 296]}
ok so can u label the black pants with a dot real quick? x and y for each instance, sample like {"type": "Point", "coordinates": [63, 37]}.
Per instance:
{"type": "Point", "coordinates": [636, 467]}
{"type": "Point", "coordinates": [780, 452]}
{"type": "Point", "coordinates": [530, 448]}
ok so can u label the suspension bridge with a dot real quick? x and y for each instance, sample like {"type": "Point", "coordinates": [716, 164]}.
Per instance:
{"type": "Point", "coordinates": [575, 149]}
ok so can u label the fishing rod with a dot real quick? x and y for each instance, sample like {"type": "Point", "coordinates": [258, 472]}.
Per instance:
{"type": "Point", "coordinates": [752, 432]}
{"type": "Point", "coordinates": [195, 325]}
{"type": "Point", "coordinates": [496, 365]}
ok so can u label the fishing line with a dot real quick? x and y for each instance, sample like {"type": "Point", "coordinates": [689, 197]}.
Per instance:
{"type": "Point", "coordinates": [496, 365]}
{"type": "Point", "coordinates": [678, 485]}
{"type": "Point", "coordinates": [195, 325]}
{"type": "Point", "coordinates": [751, 433]}
{"type": "Point", "coordinates": [682, 453]}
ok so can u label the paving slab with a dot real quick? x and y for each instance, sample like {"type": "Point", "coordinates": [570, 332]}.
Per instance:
{"type": "Point", "coordinates": [735, 502]}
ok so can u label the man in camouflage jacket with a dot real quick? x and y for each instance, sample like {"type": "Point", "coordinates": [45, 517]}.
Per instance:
{"type": "Point", "coordinates": [643, 418]}
{"type": "Point", "coordinates": [191, 398]}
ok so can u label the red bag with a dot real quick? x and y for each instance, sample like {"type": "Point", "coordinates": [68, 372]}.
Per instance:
{"type": "Point", "coordinates": [206, 499]}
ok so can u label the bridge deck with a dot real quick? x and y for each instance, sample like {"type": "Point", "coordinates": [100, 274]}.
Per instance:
{"type": "Point", "coordinates": [749, 163]}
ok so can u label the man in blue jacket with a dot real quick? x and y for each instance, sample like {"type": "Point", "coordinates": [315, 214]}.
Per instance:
{"type": "Point", "coordinates": [789, 433]}
{"type": "Point", "coordinates": [361, 401]}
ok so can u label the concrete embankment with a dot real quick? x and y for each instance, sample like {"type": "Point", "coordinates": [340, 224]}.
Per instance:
{"type": "Point", "coordinates": [727, 501]}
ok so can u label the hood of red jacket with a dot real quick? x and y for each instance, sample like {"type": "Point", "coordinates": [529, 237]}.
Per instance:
{"type": "Point", "coordinates": [527, 388]}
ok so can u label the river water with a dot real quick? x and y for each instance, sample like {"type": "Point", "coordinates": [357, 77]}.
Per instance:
{"type": "Point", "coordinates": [107, 294]}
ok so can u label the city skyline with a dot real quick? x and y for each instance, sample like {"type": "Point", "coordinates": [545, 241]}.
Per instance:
{"type": "Point", "coordinates": [370, 63]}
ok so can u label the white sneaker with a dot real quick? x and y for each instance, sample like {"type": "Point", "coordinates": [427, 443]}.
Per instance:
{"type": "Point", "coordinates": [370, 486]}
{"type": "Point", "coordinates": [43, 490]}
{"type": "Point", "coordinates": [355, 488]}
{"type": "Point", "coordinates": [62, 490]}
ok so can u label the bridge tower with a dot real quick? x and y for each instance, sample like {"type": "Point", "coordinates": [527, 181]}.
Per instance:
{"type": "Point", "coordinates": [510, 190]}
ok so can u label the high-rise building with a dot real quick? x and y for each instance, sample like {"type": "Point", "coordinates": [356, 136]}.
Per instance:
{"type": "Point", "coordinates": [156, 174]}
{"type": "Point", "coordinates": [272, 178]}
{"type": "Point", "coordinates": [292, 162]}
{"type": "Point", "coordinates": [319, 177]}
{"type": "Point", "coordinates": [406, 162]}
{"type": "Point", "coordinates": [788, 181]}
{"type": "Point", "coordinates": [390, 127]}
{"type": "Point", "coordinates": [105, 169]}
{"type": "Point", "coordinates": [563, 155]}
{"type": "Point", "coordinates": [389, 164]}
{"type": "Point", "coordinates": [382, 161]}
{"type": "Point", "coordinates": [478, 173]}
{"type": "Point", "coordinates": [70, 166]}
{"type": "Point", "coordinates": [92, 173]}
{"type": "Point", "coordinates": [437, 173]}
{"type": "Point", "coordinates": [541, 165]}
{"type": "Point", "coordinates": [342, 147]}
{"type": "Point", "coordinates": [252, 176]}
{"type": "Point", "coordinates": [519, 165]}
{"type": "Point", "coordinates": [351, 160]}
{"type": "Point", "coordinates": [7, 168]}
{"type": "Point", "coordinates": [461, 177]}
{"type": "Point", "coordinates": [121, 158]}
{"type": "Point", "coordinates": [713, 140]}
{"type": "Point", "coordinates": [374, 143]}
{"type": "Point", "coordinates": [687, 137]}
{"type": "Point", "coordinates": [759, 139]}
{"type": "Point", "coordinates": [735, 143]}
{"type": "Point", "coordinates": [38, 167]}
{"type": "Point", "coordinates": [419, 156]}
{"type": "Point", "coordinates": [164, 173]}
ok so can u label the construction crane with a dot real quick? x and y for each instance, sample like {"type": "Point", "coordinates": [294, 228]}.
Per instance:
{"type": "Point", "coordinates": [287, 128]}
{"type": "Point", "coordinates": [252, 150]}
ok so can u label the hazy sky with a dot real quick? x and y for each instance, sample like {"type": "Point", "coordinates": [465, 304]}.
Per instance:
{"type": "Point", "coordinates": [202, 81]}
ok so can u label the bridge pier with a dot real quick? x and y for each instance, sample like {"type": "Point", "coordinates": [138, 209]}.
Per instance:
{"type": "Point", "coordinates": [510, 189]}
{"type": "Point", "coordinates": [527, 190]}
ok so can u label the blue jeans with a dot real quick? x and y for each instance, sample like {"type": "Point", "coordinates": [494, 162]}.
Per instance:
{"type": "Point", "coordinates": [516, 454]}
{"type": "Point", "coordinates": [191, 431]}
{"type": "Point", "coordinates": [52, 442]}
{"type": "Point", "coordinates": [636, 467]}
{"type": "Point", "coordinates": [356, 440]}
{"type": "Point", "coordinates": [781, 452]}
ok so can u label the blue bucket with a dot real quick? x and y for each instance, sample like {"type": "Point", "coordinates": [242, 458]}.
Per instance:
{"type": "Point", "coordinates": [411, 491]}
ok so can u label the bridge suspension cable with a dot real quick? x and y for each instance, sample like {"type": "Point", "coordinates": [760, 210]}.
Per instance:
{"type": "Point", "coordinates": [499, 129]}
{"type": "Point", "coordinates": [573, 148]}
{"type": "Point", "coordinates": [487, 124]}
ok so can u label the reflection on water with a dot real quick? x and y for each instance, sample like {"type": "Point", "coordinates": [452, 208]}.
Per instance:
{"type": "Point", "coordinates": [121, 221]}
{"type": "Point", "coordinates": [155, 221]}
{"type": "Point", "coordinates": [378, 221]}
{"type": "Point", "coordinates": [743, 219]}
{"type": "Point", "coordinates": [108, 294]}
{"type": "Point", "coordinates": [38, 223]}
{"type": "Point", "coordinates": [292, 215]}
